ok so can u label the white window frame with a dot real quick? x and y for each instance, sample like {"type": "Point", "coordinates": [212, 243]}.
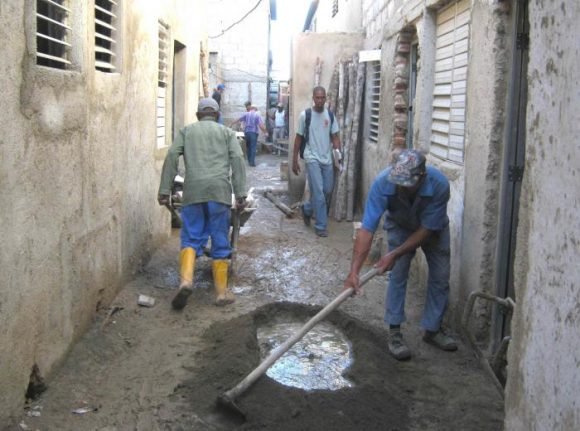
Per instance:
{"type": "Point", "coordinates": [53, 34]}
{"type": "Point", "coordinates": [107, 35]}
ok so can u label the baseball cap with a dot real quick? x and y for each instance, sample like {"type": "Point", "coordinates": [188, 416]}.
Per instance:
{"type": "Point", "coordinates": [221, 86]}
{"type": "Point", "coordinates": [207, 104]}
{"type": "Point", "coordinates": [407, 168]}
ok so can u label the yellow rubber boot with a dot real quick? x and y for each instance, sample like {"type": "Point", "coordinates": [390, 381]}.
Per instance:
{"type": "Point", "coordinates": [186, 268]}
{"type": "Point", "coordinates": [220, 281]}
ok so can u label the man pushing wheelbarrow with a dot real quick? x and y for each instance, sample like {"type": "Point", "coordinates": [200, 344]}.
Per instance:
{"type": "Point", "coordinates": [210, 152]}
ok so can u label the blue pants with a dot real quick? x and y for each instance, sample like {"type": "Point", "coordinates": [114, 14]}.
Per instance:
{"type": "Point", "coordinates": [251, 143]}
{"type": "Point", "coordinates": [437, 250]}
{"type": "Point", "coordinates": [205, 220]}
{"type": "Point", "coordinates": [321, 183]}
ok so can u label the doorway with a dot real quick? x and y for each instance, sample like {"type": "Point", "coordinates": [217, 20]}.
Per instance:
{"type": "Point", "coordinates": [513, 168]}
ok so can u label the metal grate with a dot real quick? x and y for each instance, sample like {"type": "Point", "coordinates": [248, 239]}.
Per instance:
{"type": "Point", "coordinates": [106, 35]}
{"type": "Point", "coordinates": [334, 8]}
{"type": "Point", "coordinates": [375, 99]}
{"type": "Point", "coordinates": [52, 34]}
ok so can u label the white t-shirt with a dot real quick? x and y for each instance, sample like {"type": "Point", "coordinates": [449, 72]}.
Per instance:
{"type": "Point", "coordinates": [319, 147]}
{"type": "Point", "coordinates": [279, 119]}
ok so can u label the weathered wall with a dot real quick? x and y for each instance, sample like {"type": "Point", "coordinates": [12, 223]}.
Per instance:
{"type": "Point", "coordinates": [242, 53]}
{"type": "Point", "coordinates": [544, 356]}
{"type": "Point", "coordinates": [306, 49]}
{"type": "Point", "coordinates": [348, 18]}
{"type": "Point", "coordinates": [79, 172]}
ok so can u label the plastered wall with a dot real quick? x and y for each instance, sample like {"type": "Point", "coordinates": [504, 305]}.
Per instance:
{"type": "Point", "coordinates": [544, 356]}
{"type": "Point", "coordinates": [79, 172]}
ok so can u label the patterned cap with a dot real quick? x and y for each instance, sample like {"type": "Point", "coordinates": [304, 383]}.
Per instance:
{"type": "Point", "coordinates": [408, 166]}
{"type": "Point", "coordinates": [207, 104]}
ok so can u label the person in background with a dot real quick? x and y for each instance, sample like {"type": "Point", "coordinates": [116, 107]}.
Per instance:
{"type": "Point", "coordinates": [414, 199]}
{"type": "Point", "coordinates": [279, 127]}
{"type": "Point", "coordinates": [253, 123]}
{"type": "Point", "coordinates": [316, 137]}
{"type": "Point", "coordinates": [210, 152]}
{"type": "Point", "coordinates": [217, 96]}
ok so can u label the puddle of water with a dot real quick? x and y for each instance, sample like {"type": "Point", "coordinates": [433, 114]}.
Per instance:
{"type": "Point", "coordinates": [317, 361]}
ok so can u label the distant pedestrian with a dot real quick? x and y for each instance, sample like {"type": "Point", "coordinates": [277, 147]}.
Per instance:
{"type": "Point", "coordinates": [215, 168]}
{"type": "Point", "coordinates": [316, 136]}
{"type": "Point", "coordinates": [253, 123]}
{"type": "Point", "coordinates": [279, 126]}
{"type": "Point", "coordinates": [217, 96]}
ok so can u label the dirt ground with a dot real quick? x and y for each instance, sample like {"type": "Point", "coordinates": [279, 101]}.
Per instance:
{"type": "Point", "coordinates": [156, 369]}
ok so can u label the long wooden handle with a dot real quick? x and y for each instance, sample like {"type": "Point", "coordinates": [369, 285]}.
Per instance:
{"type": "Point", "coordinates": [284, 347]}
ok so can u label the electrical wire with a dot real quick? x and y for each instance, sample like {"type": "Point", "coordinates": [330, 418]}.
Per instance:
{"type": "Point", "coordinates": [237, 22]}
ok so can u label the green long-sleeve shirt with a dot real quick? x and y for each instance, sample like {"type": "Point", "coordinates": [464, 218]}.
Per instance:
{"type": "Point", "coordinates": [210, 152]}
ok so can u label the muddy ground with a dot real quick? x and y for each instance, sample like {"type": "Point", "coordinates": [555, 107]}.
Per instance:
{"type": "Point", "coordinates": [156, 369]}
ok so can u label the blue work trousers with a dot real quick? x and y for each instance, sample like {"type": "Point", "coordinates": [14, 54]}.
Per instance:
{"type": "Point", "coordinates": [321, 183]}
{"type": "Point", "coordinates": [251, 144]}
{"type": "Point", "coordinates": [437, 251]}
{"type": "Point", "coordinates": [202, 221]}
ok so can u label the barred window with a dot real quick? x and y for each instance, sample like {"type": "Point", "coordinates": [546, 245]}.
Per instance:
{"type": "Point", "coordinates": [163, 48]}
{"type": "Point", "coordinates": [374, 94]}
{"type": "Point", "coordinates": [106, 35]}
{"type": "Point", "coordinates": [53, 34]}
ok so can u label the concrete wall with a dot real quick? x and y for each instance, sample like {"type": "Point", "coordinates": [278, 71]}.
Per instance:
{"type": "Point", "coordinates": [306, 49]}
{"type": "Point", "coordinates": [242, 53]}
{"type": "Point", "coordinates": [79, 172]}
{"type": "Point", "coordinates": [544, 357]}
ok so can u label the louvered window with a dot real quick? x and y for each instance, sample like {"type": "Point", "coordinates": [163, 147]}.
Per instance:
{"type": "Point", "coordinates": [53, 33]}
{"type": "Point", "coordinates": [374, 93]}
{"type": "Point", "coordinates": [449, 97]}
{"type": "Point", "coordinates": [106, 35]}
{"type": "Point", "coordinates": [163, 49]}
{"type": "Point", "coordinates": [334, 8]}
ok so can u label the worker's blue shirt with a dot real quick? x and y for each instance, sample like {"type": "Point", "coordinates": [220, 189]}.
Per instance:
{"type": "Point", "coordinates": [429, 209]}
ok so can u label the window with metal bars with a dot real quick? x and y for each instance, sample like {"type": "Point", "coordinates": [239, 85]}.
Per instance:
{"type": "Point", "coordinates": [374, 94]}
{"type": "Point", "coordinates": [163, 49]}
{"type": "Point", "coordinates": [53, 34]}
{"type": "Point", "coordinates": [334, 8]}
{"type": "Point", "coordinates": [106, 35]}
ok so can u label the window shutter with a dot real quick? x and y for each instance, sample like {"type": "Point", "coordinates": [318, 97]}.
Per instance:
{"type": "Point", "coordinates": [449, 96]}
{"type": "Point", "coordinates": [374, 92]}
{"type": "Point", "coordinates": [106, 35]}
{"type": "Point", "coordinates": [52, 33]}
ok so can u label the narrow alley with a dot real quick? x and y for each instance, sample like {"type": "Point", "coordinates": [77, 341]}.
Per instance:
{"type": "Point", "coordinates": [144, 369]}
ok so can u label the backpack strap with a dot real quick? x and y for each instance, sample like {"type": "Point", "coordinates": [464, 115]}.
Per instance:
{"type": "Point", "coordinates": [308, 119]}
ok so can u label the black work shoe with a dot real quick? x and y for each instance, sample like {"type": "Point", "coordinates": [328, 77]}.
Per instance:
{"type": "Point", "coordinates": [322, 233]}
{"type": "Point", "coordinates": [180, 300]}
{"type": "Point", "coordinates": [306, 218]}
{"type": "Point", "coordinates": [440, 340]}
{"type": "Point", "coordinates": [397, 347]}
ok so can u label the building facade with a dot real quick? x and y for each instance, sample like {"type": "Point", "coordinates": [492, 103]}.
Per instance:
{"type": "Point", "coordinates": [485, 89]}
{"type": "Point", "coordinates": [93, 92]}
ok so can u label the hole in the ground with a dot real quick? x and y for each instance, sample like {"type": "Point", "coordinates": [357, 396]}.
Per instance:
{"type": "Point", "coordinates": [317, 361]}
{"type": "Point", "coordinates": [36, 385]}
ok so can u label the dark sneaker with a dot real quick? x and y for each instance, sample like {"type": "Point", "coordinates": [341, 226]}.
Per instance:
{"type": "Point", "coordinates": [440, 340]}
{"type": "Point", "coordinates": [322, 233]}
{"type": "Point", "coordinates": [305, 217]}
{"type": "Point", "coordinates": [397, 347]}
{"type": "Point", "coordinates": [180, 300]}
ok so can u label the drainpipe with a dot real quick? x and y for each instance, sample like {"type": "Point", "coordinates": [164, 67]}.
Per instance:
{"type": "Point", "coordinates": [310, 15]}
